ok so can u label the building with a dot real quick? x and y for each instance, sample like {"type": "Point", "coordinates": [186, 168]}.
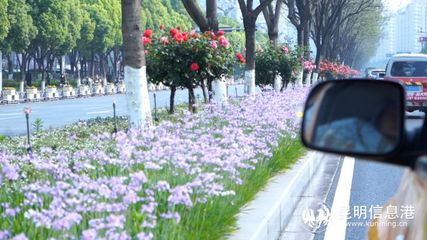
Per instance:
{"type": "Point", "coordinates": [404, 32]}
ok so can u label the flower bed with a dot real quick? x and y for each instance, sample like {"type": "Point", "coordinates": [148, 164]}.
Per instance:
{"type": "Point", "coordinates": [68, 91]}
{"type": "Point", "coordinates": [84, 90]}
{"type": "Point", "coordinates": [10, 95]}
{"type": "Point", "coordinates": [183, 179]}
{"type": "Point", "coordinates": [98, 89]}
{"type": "Point", "coordinates": [51, 92]}
{"type": "Point", "coordinates": [32, 93]}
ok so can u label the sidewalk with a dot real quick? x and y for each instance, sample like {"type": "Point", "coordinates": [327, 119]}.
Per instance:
{"type": "Point", "coordinates": [265, 216]}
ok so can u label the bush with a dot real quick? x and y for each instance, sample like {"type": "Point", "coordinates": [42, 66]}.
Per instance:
{"type": "Point", "coordinates": [186, 59]}
{"type": "Point", "coordinates": [275, 61]}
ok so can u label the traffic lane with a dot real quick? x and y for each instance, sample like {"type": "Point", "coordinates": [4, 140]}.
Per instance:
{"type": "Point", "coordinates": [62, 112]}
{"type": "Point", "coordinates": [373, 185]}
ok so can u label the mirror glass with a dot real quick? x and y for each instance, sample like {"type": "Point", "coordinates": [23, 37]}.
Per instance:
{"type": "Point", "coordinates": [354, 117]}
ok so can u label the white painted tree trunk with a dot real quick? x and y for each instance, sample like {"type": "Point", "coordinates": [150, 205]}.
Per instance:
{"type": "Point", "coordinates": [307, 79]}
{"type": "Point", "coordinates": [137, 99]}
{"type": "Point", "coordinates": [277, 83]}
{"type": "Point", "coordinates": [219, 88]}
{"type": "Point", "coordinates": [1, 72]}
{"type": "Point", "coordinates": [43, 87]}
{"type": "Point", "coordinates": [79, 82]}
{"type": "Point", "coordinates": [300, 77]}
{"type": "Point", "coordinates": [250, 82]}
{"type": "Point", "coordinates": [315, 77]}
{"type": "Point", "coordinates": [21, 87]}
{"type": "Point", "coordinates": [104, 83]}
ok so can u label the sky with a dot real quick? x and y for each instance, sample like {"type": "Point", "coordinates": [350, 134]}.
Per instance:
{"type": "Point", "coordinates": [394, 5]}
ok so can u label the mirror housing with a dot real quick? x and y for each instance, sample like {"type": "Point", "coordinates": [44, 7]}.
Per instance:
{"type": "Point", "coordinates": [355, 117]}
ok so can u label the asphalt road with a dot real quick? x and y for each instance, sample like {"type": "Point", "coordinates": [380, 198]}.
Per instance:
{"type": "Point", "coordinates": [58, 113]}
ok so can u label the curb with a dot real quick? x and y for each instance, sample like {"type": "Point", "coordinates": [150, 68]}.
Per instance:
{"type": "Point", "coordinates": [267, 215]}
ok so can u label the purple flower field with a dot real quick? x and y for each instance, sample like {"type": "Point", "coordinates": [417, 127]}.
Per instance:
{"type": "Point", "coordinates": [164, 182]}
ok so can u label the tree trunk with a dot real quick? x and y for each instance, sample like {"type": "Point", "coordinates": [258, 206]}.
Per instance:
{"type": "Point", "coordinates": [191, 99]}
{"type": "Point", "coordinates": [250, 56]}
{"type": "Point", "coordinates": [137, 98]}
{"type": "Point", "coordinates": [172, 100]}
{"type": "Point", "coordinates": [92, 65]}
{"type": "Point", "coordinates": [300, 36]}
{"type": "Point", "coordinates": [10, 63]}
{"type": "Point", "coordinates": [61, 60]}
{"type": "Point", "coordinates": [219, 91]}
{"type": "Point", "coordinates": [205, 95]}
{"type": "Point", "coordinates": [24, 63]}
{"type": "Point", "coordinates": [210, 89]}
{"type": "Point", "coordinates": [211, 15]}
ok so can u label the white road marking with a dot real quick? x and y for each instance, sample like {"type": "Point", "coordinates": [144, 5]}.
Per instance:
{"type": "Point", "coordinates": [96, 107]}
{"type": "Point", "coordinates": [12, 114]}
{"type": "Point", "coordinates": [337, 225]}
{"type": "Point", "coordinates": [99, 112]}
{"type": "Point", "coordinates": [8, 118]}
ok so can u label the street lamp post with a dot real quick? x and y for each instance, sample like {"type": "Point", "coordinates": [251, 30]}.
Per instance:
{"type": "Point", "coordinates": [114, 116]}
{"type": "Point", "coordinates": [27, 112]}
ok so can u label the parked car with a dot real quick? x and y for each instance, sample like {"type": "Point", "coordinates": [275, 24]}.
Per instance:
{"type": "Point", "coordinates": [373, 128]}
{"type": "Point", "coordinates": [411, 71]}
{"type": "Point", "coordinates": [375, 73]}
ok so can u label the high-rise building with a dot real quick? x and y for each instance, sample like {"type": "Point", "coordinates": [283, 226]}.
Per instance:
{"type": "Point", "coordinates": [403, 32]}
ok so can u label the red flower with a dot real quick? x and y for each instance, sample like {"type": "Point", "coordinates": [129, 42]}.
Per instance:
{"type": "Point", "coordinates": [147, 33]}
{"type": "Point", "coordinates": [185, 36]}
{"type": "Point", "coordinates": [194, 67]}
{"type": "Point", "coordinates": [220, 33]}
{"type": "Point", "coordinates": [240, 58]}
{"type": "Point", "coordinates": [178, 37]}
{"type": "Point", "coordinates": [173, 32]}
{"type": "Point", "coordinates": [224, 42]}
{"type": "Point", "coordinates": [162, 27]}
{"type": "Point", "coordinates": [146, 40]}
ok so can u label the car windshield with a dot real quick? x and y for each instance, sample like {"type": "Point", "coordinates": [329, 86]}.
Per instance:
{"type": "Point", "coordinates": [409, 69]}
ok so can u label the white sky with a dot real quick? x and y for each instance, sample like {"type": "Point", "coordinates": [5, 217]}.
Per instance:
{"type": "Point", "coordinates": [394, 5]}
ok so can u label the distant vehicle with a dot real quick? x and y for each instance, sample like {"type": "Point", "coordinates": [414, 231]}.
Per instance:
{"type": "Point", "coordinates": [375, 73]}
{"type": "Point", "coordinates": [411, 71]}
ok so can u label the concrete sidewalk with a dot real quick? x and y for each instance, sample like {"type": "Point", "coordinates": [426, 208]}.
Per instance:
{"type": "Point", "coordinates": [270, 212]}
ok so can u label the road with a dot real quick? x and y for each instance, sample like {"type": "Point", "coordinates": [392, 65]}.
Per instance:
{"type": "Point", "coordinates": [62, 112]}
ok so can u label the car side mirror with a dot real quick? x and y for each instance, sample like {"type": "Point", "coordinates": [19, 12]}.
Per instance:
{"type": "Point", "coordinates": [355, 117]}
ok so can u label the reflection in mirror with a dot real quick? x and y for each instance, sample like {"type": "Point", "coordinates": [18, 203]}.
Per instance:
{"type": "Point", "coordinates": [354, 117]}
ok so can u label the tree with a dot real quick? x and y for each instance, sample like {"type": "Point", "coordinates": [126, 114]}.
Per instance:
{"type": "Point", "coordinates": [164, 12]}
{"type": "Point", "coordinates": [329, 16]}
{"type": "Point", "coordinates": [208, 22]}
{"type": "Point", "coordinates": [58, 23]}
{"type": "Point", "coordinates": [357, 38]}
{"type": "Point", "coordinates": [82, 50]}
{"type": "Point", "coordinates": [300, 13]}
{"type": "Point", "coordinates": [272, 17]}
{"type": "Point", "coordinates": [250, 15]}
{"type": "Point", "coordinates": [137, 98]}
{"type": "Point", "coordinates": [4, 28]}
